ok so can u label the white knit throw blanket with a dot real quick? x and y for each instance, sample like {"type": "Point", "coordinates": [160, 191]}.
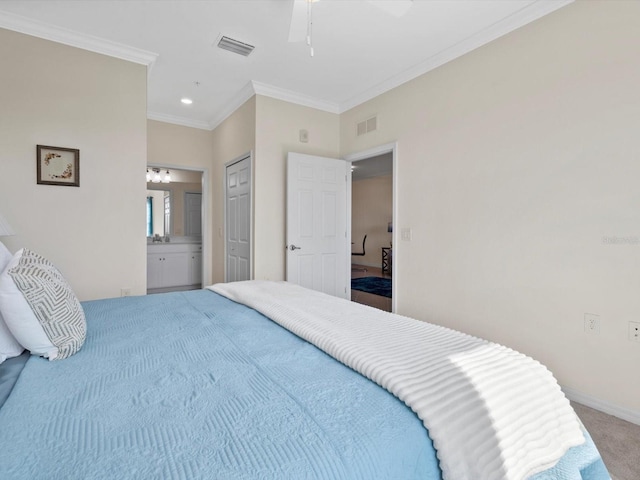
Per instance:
{"type": "Point", "coordinates": [491, 412]}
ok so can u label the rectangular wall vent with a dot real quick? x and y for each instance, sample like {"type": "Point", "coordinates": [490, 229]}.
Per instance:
{"type": "Point", "coordinates": [235, 46]}
{"type": "Point", "coordinates": [366, 126]}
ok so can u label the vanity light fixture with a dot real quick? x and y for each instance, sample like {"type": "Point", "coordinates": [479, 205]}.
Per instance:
{"type": "Point", "coordinates": [186, 101]}
{"type": "Point", "coordinates": [155, 176]}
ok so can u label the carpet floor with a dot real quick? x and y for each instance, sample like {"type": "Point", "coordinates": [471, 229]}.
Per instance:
{"type": "Point", "coordinates": [618, 441]}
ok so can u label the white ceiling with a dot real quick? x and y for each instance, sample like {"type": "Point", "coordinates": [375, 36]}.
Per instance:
{"type": "Point", "coordinates": [360, 50]}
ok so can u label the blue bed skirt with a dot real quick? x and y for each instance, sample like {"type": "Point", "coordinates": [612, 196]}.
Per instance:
{"type": "Point", "coordinates": [193, 386]}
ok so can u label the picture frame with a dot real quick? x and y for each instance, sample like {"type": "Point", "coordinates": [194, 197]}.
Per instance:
{"type": "Point", "coordinates": [58, 166]}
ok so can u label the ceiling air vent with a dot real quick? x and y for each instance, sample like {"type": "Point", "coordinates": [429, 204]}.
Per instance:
{"type": "Point", "coordinates": [235, 46]}
{"type": "Point", "coordinates": [366, 126]}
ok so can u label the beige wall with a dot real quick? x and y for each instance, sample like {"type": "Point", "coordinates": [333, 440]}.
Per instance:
{"type": "Point", "coordinates": [278, 125]}
{"type": "Point", "coordinates": [170, 144]}
{"type": "Point", "coordinates": [514, 162]}
{"type": "Point", "coordinates": [234, 137]}
{"type": "Point", "coordinates": [51, 94]}
{"type": "Point", "coordinates": [371, 211]}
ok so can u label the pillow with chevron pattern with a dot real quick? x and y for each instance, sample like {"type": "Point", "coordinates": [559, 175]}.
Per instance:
{"type": "Point", "coordinates": [39, 307]}
{"type": "Point", "coordinates": [9, 346]}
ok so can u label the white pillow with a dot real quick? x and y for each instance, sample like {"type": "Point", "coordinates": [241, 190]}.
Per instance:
{"type": "Point", "coordinates": [5, 256]}
{"type": "Point", "coordinates": [9, 346]}
{"type": "Point", "coordinates": [39, 307]}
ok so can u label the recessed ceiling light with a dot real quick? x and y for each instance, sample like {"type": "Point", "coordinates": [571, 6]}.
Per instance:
{"type": "Point", "coordinates": [186, 101]}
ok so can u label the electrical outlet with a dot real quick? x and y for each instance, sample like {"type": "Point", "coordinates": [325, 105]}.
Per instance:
{"type": "Point", "coordinates": [592, 323]}
{"type": "Point", "coordinates": [634, 331]}
{"type": "Point", "coordinates": [406, 234]}
{"type": "Point", "coordinates": [125, 292]}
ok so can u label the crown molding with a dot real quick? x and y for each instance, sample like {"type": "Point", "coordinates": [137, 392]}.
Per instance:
{"type": "Point", "coordinates": [524, 16]}
{"type": "Point", "coordinates": [176, 120]}
{"type": "Point", "coordinates": [294, 97]}
{"type": "Point", "coordinates": [257, 88]}
{"type": "Point", "coordinates": [46, 31]}
{"type": "Point", "coordinates": [236, 102]}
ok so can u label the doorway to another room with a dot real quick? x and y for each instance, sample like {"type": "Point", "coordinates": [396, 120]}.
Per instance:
{"type": "Point", "coordinates": [174, 229]}
{"type": "Point", "coordinates": [372, 230]}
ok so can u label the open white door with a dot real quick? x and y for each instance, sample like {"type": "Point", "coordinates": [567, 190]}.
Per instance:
{"type": "Point", "coordinates": [317, 223]}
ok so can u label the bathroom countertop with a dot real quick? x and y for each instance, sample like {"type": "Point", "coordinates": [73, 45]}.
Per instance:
{"type": "Point", "coordinates": [177, 240]}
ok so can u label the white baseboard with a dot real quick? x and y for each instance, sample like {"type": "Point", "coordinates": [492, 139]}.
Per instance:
{"type": "Point", "coordinates": [624, 413]}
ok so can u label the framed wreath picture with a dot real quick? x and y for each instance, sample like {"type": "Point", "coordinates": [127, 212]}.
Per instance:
{"type": "Point", "coordinates": [58, 166]}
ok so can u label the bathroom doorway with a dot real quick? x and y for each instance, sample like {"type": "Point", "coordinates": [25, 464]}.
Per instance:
{"type": "Point", "coordinates": [174, 226]}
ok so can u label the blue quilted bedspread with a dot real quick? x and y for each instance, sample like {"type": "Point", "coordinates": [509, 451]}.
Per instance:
{"type": "Point", "coordinates": [193, 386]}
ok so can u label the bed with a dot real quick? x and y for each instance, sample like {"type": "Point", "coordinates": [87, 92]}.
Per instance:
{"type": "Point", "coordinates": [194, 385]}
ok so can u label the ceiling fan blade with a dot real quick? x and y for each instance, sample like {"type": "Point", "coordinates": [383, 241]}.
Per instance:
{"type": "Point", "coordinates": [298, 26]}
{"type": "Point", "coordinates": [397, 8]}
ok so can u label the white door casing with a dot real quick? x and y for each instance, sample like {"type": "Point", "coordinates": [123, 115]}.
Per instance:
{"type": "Point", "coordinates": [317, 241]}
{"type": "Point", "coordinates": [238, 220]}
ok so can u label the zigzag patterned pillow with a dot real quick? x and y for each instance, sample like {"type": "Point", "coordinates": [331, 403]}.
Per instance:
{"type": "Point", "coordinates": [39, 307]}
{"type": "Point", "coordinates": [9, 346]}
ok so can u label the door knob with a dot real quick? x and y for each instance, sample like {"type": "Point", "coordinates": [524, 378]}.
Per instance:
{"type": "Point", "coordinates": [293, 247]}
